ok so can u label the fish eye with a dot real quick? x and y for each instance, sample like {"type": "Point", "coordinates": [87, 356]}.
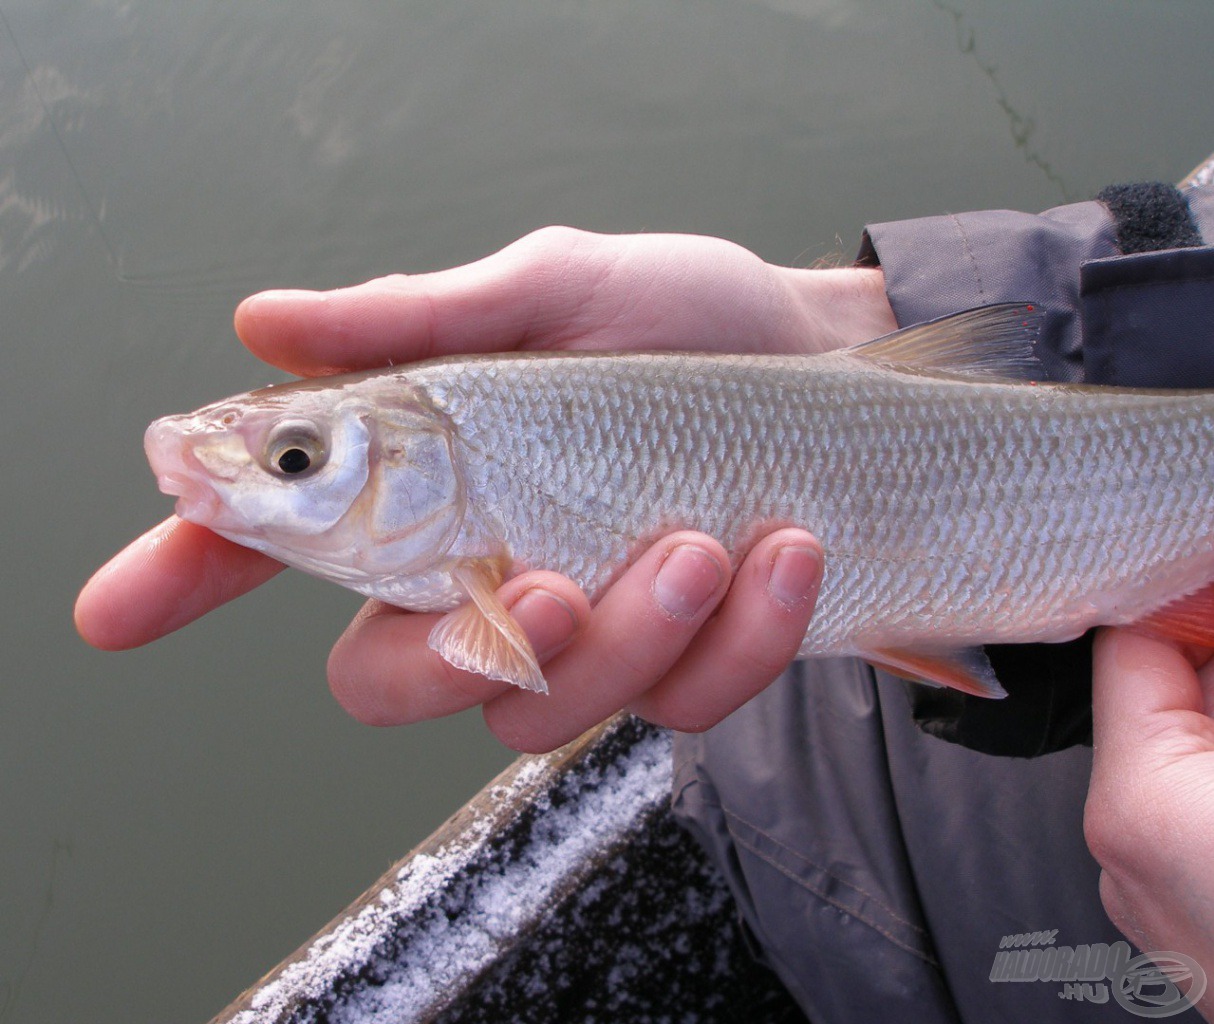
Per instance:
{"type": "Point", "coordinates": [295, 448]}
{"type": "Point", "coordinates": [294, 460]}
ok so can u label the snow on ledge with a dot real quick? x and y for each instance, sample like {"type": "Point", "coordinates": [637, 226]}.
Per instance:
{"type": "Point", "coordinates": [418, 947]}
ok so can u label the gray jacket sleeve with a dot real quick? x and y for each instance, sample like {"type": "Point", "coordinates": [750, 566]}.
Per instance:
{"type": "Point", "coordinates": [1128, 286]}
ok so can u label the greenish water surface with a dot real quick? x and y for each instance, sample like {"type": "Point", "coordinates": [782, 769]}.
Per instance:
{"type": "Point", "coordinates": [177, 819]}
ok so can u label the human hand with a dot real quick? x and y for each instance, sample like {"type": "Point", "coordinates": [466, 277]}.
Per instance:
{"type": "Point", "coordinates": [555, 289]}
{"type": "Point", "coordinates": [1149, 819]}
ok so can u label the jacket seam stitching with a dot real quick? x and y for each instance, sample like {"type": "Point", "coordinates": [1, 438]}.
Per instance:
{"type": "Point", "coordinates": [801, 857]}
{"type": "Point", "coordinates": [850, 912]}
{"type": "Point", "coordinates": [969, 252]}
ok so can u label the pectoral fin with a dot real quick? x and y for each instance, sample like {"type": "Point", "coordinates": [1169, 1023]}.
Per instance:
{"type": "Point", "coordinates": [481, 636]}
{"type": "Point", "coordinates": [966, 669]}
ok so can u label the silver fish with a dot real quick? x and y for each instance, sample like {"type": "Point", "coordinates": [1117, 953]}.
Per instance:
{"type": "Point", "coordinates": [957, 502]}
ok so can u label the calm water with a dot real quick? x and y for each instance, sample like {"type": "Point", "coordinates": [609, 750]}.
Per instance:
{"type": "Point", "coordinates": [177, 819]}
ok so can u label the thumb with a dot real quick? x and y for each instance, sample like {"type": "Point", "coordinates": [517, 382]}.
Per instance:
{"type": "Point", "coordinates": [1146, 695]}
{"type": "Point", "coordinates": [1143, 674]}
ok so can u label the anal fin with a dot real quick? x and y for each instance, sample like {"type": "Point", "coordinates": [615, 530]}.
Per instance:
{"type": "Point", "coordinates": [1189, 619]}
{"type": "Point", "coordinates": [967, 669]}
{"type": "Point", "coordinates": [481, 636]}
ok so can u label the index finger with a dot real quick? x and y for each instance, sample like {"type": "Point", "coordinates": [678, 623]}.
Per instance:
{"type": "Point", "coordinates": [172, 575]}
{"type": "Point", "coordinates": [385, 321]}
{"type": "Point", "coordinates": [503, 301]}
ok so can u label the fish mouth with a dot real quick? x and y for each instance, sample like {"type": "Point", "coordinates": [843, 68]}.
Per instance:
{"type": "Point", "coordinates": [178, 472]}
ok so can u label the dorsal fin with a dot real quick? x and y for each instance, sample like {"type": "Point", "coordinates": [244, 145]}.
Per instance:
{"type": "Point", "coordinates": [989, 341]}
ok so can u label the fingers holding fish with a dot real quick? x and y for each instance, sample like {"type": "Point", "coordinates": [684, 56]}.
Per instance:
{"type": "Point", "coordinates": [172, 575]}
{"type": "Point", "coordinates": [555, 288]}
{"type": "Point", "coordinates": [383, 673]}
{"type": "Point", "coordinates": [752, 638]}
{"type": "Point", "coordinates": [529, 294]}
{"type": "Point", "coordinates": [1150, 720]}
{"type": "Point", "coordinates": [652, 643]}
{"type": "Point", "coordinates": [1150, 807]}
{"type": "Point", "coordinates": [394, 319]}
{"type": "Point", "coordinates": [636, 633]}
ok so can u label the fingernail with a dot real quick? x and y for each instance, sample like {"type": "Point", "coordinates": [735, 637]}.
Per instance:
{"type": "Point", "coordinates": [686, 580]}
{"type": "Point", "coordinates": [796, 574]}
{"type": "Point", "coordinates": [548, 620]}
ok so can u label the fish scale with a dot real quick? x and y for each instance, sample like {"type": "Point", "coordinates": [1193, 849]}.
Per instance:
{"type": "Point", "coordinates": [922, 491]}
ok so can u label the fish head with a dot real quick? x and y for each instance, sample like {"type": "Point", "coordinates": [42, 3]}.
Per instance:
{"type": "Point", "coordinates": [325, 477]}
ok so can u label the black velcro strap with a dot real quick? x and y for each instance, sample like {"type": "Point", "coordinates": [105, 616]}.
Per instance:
{"type": "Point", "coordinates": [1150, 215]}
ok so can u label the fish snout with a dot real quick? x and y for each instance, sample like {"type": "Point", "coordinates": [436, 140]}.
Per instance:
{"type": "Point", "coordinates": [178, 472]}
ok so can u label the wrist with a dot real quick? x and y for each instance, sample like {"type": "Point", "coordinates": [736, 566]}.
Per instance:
{"type": "Point", "coordinates": [840, 306]}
